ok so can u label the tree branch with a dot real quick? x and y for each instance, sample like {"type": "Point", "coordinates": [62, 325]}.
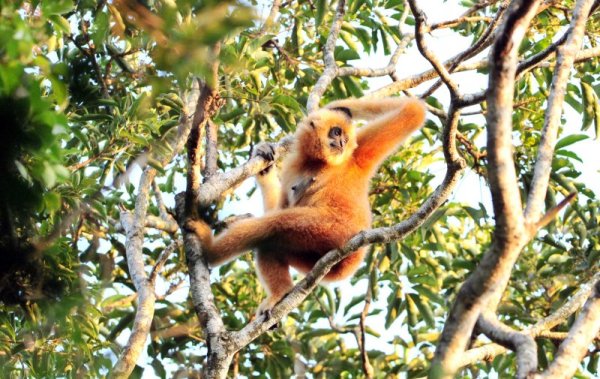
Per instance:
{"type": "Point", "coordinates": [483, 41]}
{"type": "Point", "coordinates": [574, 348]}
{"type": "Point", "coordinates": [135, 237]}
{"type": "Point", "coordinates": [266, 27]}
{"type": "Point", "coordinates": [495, 268]}
{"type": "Point", "coordinates": [420, 29]}
{"type": "Point", "coordinates": [540, 329]}
{"type": "Point", "coordinates": [331, 68]}
{"type": "Point", "coordinates": [564, 63]}
{"type": "Point", "coordinates": [521, 343]}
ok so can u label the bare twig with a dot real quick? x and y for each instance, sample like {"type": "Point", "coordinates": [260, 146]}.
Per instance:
{"type": "Point", "coordinates": [162, 259]}
{"type": "Point", "coordinates": [364, 357]}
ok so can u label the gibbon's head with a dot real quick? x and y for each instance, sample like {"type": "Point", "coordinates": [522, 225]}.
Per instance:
{"type": "Point", "coordinates": [327, 135]}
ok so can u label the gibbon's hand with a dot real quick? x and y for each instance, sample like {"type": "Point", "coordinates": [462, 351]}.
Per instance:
{"type": "Point", "coordinates": [266, 151]}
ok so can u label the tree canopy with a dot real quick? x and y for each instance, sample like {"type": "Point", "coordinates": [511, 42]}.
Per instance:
{"type": "Point", "coordinates": [485, 250]}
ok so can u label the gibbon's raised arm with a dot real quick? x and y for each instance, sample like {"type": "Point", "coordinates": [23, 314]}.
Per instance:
{"type": "Point", "coordinates": [392, 121]}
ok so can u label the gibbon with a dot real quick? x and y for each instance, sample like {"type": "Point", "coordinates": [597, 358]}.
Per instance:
{"type": "Point", "coordinates": [321, 199]}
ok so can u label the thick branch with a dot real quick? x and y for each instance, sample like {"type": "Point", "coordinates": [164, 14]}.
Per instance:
{"type": "Point", "coordinates": [494, 270]}
{"type": "Point", "coordinates": [270, 19]}
{"type": "Point", "coordinates": [521, 343]}
{"type": "Point", "coordinates": [155, 223]}
{"type": "Point", "coordinates": [210, 166]}
{"type": "Point", "coordinates": [564, 63]}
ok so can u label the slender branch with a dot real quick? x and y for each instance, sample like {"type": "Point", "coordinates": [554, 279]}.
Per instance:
{"type": "Point", "coordinates": [551, 214]}
{"type": "Point", "coordinates": [270, 21]}
{"type": "Point", "coordinates": [564, 63]}
{"type": "Point", "coordinates": [364, 357]}
{"type": "Point", "coordinates": [484, 41]}
{"type": "Point", "coordinates": [331, 68]}
{"type": "Point", "coordinates": [458, 21]}
{"type": "Point", "coordinates": [375, 72]}
{"type": "Point", "coordinates": [160, 203]}
{"type": "Point", "coordinates": [420, 29]}
{"type": "Point", "coordinates": [574, 348]}
{"type": "Point", "coordinates": [162, 260]}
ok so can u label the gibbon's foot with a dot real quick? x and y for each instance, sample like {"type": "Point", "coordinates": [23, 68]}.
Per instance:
{"type": "Point", "coordinates": [266, 151]}
{"type": "Point", "coordinates": [266, 312]}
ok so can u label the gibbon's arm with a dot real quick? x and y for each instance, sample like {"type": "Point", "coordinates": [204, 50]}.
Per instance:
{"type": "Point", "coordinates": [270, 188]}
{"type": "Point", "coordinates": [393, 120]}
{"type": "Point", "coordinates": [268, 179]}
{"type": "Point", "coordinates": [368, 109]}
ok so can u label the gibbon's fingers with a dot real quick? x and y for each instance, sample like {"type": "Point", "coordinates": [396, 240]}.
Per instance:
{"type": "Point", "coordinates": [266, 151]}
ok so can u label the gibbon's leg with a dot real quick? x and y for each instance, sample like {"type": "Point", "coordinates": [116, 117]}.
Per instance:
{"type": "Point", "coordinates": [274, 274]}
{"type": "Point", "coordinates": [292, 229]}
{"type": "Point", "coordinates": [268, 179]}
{"type": "Point", "coordinates": [382, 136]}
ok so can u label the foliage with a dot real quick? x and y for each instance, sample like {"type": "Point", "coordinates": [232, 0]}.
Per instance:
{"type": "Point", "coordinates": [90, 90]}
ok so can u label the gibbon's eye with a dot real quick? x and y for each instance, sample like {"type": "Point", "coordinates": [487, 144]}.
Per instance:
{"type": "Point", "coordinates": [336, 131]}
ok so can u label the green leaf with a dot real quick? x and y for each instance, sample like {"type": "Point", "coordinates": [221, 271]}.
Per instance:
{"type": "Point", "coordinates": [424, 310]}
{"type": "Point", "coordinates": [590, 100]}
{"type": "Point", "coordinates": [569, 140]}
{"type": "Point", "coordinates": [320, 12]}
{"type": "Point", "coordinates": [52, 7]}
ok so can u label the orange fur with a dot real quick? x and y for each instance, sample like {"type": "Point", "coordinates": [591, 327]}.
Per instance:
{"type": "Point", "coordinates": [330, 202]}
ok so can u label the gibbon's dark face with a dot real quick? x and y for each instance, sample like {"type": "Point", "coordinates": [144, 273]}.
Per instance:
{"type": "Point", "coordinates": [328, 135]}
